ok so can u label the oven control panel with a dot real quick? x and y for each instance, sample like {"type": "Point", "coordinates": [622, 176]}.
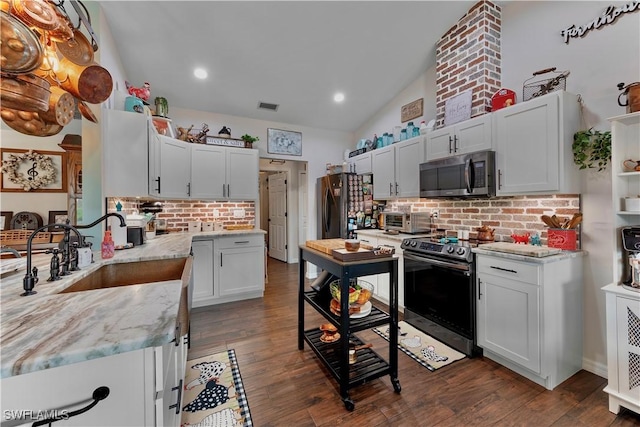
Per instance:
{"type": "Point", "coordinates": [423, 246]}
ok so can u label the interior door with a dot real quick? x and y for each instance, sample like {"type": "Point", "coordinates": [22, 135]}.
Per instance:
{"type": "Point", "coordinates": [278, 216]}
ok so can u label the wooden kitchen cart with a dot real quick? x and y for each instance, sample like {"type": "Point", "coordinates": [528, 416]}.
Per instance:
{"type": "Point", "coordinates": [335, 356]}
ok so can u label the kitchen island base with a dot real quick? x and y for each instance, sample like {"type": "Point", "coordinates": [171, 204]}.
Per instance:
{"type": "Point", "coordinates": [335, 356]}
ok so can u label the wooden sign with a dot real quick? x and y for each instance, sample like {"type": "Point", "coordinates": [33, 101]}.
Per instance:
{"type": "Point", "coordinates": [227, 142]}
{"type": "Point", "coordinates": [411, 110]}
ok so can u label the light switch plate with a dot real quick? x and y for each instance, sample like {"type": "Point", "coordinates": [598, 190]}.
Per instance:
{"type": "Point", "coordinates": [238, 213]}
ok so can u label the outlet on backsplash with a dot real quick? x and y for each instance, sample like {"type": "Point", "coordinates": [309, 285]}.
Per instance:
{"type": "Point", "coordinates": [435, 213]}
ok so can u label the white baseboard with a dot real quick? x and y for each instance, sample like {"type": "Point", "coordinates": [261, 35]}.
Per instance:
{"type": "Point", "coordinates": [597, 368]}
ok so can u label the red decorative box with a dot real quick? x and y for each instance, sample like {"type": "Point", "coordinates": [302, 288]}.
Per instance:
{"type": "Point", "coordinates": [502, 98]}
{"type": "Point", "coordinates": [562, 238]}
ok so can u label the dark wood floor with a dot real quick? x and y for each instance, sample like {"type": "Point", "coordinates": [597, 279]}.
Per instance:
{"type": "Point", "coordinates": [288, 387]}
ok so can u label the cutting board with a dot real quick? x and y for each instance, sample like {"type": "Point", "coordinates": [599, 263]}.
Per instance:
{"type": "Point", "coordinates": [360, 254]}
{"type": "Point", "coordinates": [328, 245]}
{"type": "Point", "coordinates": [519, 249]}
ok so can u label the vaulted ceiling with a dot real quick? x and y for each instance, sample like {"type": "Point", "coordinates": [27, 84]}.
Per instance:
{"type": "Point", "coordinates": [294, 54]}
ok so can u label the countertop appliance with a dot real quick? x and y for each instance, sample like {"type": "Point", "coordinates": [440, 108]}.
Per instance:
{"type": "Point", "coordinates": [631, 244]}
{"type": "Point", "coordinates": [465, 175]}
{"type": "Point", "coordinates": [345, 205]}
{"type": "Point", "coordinates": [136, 235]}
{"type": "Point", "coordinates": [440, 292]}
{"type": "Point", "coordinates": [407, 222]}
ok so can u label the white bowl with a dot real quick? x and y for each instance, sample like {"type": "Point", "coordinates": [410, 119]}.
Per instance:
{"type": "Point", "coordinates": [632, 204]}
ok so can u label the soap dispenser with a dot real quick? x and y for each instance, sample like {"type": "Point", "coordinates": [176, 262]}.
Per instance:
{"type": "Point", "coordinates": [108, 248]}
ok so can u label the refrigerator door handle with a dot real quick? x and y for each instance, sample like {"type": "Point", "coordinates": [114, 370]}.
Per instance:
{"type": "Point", "coordinates": [327, 210]}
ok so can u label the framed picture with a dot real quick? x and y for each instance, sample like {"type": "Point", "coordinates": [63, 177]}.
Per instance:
{"type": "Point", "coordinates": [57, 217]}
{"type": "Point", "coordinates": [33, 171]}
{"type": "Point", "coordinates": [5, 220]}
{"type": "Point", "coordinates": [411, 110]}
{"type": "Point", "coordinates": [284, 142]}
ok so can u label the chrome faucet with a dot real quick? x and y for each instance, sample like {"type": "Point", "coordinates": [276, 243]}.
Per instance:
{"type": "Point", "coordinates": [31, 277]}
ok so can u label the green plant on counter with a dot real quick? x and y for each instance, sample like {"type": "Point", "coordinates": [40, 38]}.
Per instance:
{"type": "Point", "coordinates": [591, 149]}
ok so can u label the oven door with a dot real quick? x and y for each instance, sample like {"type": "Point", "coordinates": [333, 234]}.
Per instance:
{"type": "Point", "coordinates": [441, 291]}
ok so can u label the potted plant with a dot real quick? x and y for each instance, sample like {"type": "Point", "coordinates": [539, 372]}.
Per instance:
{"type": "Point", "coordinates": [591, 149]}
{"type": "Point", "coordinates": [249, 140]}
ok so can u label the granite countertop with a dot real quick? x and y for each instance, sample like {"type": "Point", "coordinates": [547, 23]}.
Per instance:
{"type": "Point", "coordinates": [538, 260]}
{"type": "Point", "coordinates": [49, 329]}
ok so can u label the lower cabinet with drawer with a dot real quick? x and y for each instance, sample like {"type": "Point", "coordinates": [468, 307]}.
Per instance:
{"type": "Point", "coordinates": [228, 268]}
{"type": "Point", "coordinates": [529, 315]}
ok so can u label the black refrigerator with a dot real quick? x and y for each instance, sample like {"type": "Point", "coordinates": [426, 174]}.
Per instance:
{"type": "Point", "coordinates": [345, 205]}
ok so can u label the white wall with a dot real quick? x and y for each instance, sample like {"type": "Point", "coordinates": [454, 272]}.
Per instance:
{"type": "Point", "coordinates": [531, 41]}
{"type": "Point", "coordinates": [598, 61]}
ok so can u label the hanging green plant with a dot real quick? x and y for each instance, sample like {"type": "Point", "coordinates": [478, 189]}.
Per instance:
{"type": "Point", "coordinates": [591, 149]}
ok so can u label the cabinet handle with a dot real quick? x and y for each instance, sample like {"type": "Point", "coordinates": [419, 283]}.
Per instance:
{"type": "Point", "coordinates": [396, 188]}
{"type": "Point", "coordinates": [99, 394]}
{"type": "Point", "coordinates": [158, 180]}
{"type": "Point", "coordinates": [228, 190]}
{"type": "Point", "coordinates": [479, 289]}
{"type": "Point", "coordinates": [177, 404]}
{"type": "Point", "coordinates": [504, 269]}
{"type": "Point", "coordinates": [390, 189]}
{"type": "Point", "coordinates": [220, 260]}
{"type": "Point", "coordinates": [189, 189]}
{"type": "Point", "coordinates": [450, 145]}
{"type": "Point", "coordinates": [455, 143]}
{"type": "Point", "coordinates": [241, 242]}
{"type": "Point", "coordinates": [499, 179]}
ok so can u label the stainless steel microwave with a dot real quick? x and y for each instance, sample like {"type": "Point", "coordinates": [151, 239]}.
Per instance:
{"type": "Point", "coordinates": [464, 175]}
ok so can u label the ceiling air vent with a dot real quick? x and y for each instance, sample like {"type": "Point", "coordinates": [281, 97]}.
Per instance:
{"type": "Point", "coordinates": [268, 106]}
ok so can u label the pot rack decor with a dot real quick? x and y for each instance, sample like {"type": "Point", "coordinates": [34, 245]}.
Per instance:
{"type": "Point", "coordinates": [48, 68]}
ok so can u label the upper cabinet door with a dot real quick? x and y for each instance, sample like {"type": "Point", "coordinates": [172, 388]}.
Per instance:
{"type": "Point", "coordinates": [383, 163]}
{"type": "Point", "coordinates": [208, 166]}
{"type": "Point", "coordinates": [473, 135]}
{"type": "Point", "coordinates": [242, 174]}
{"type": "Point", "coordinates": [125, 154]}
{"type": "Point", "coordinates": [175, 168]}
{"type": "Point", "coordinates": [527, 146]}
{"type": "Point", "coordinates": [408, 157]}
{"type": "Point", "coordinates": [440, 143]}
{"type": "Point", "coordinates": [362, 163]}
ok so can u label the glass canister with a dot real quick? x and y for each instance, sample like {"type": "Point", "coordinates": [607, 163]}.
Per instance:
{"type": "Point", "coordinates": [416, 132]}
{"type": "Point", "coordinates": [410, 129]}
{"type": "Point", "coordinates": [379, 143]}
{"type": "Point", "coordinates": [403, 134]}
{"type": "Point", "coordinates": [396, 133]}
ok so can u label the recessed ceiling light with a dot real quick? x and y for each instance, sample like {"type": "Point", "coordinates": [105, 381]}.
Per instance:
{"type": "Point", "coordinates": [200, 73]}
{"type": "Point", "coordinates": [338, 97]}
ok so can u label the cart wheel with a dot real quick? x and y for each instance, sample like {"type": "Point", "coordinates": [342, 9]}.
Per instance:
{"type": "Point", "coordinates": [348, 403]}
{"type": "Point", "coordinates": [396, 385]}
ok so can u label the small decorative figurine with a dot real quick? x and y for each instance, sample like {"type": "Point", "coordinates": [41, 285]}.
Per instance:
{"type": "Point", "coordinates": [183, 134]}
{"type": "Point", "coordinates": [143, 92]}
{"type": "Point", "coordinates": [225, 132]}
{"type": "Point", "coordinates": [520, 238]}
{"type": "Point", "coordinates": [535, 240]}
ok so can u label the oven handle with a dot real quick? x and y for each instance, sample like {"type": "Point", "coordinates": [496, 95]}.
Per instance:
{"type": "Point", "coordinates": [437, 262]}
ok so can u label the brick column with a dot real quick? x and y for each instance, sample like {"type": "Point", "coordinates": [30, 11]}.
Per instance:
{"type": "Point", "coordinates": [468, 57]}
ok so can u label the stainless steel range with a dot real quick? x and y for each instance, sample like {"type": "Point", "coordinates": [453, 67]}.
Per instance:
{"type": "Point", "coordinates": [439, 291]}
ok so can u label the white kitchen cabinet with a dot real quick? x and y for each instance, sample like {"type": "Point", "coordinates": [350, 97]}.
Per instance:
{"type": "Point", "coordinates": [203, 289]}
{"type": "Point", "coordinates": [360, 164]}
{"type": "Point", "coordinates": [625, 144]}
{"type": "Point", "coordinates": [623, 305]}
{"type": "Point", "coordinates": [142, 385]}
{"type": "Point", "coordinates": [203, 172]}
{"type": "Point", "coordinates": [533, 146]}
{"type": "Point", "coordinates": [529, 315]}
{"type": "Point", "coordinates": [465, 137]}
{"type": "Point", "coordinates": [125, 153]}
{"type": "Point", "coordinates": [396, 169]}
{"type": "Point", "coordinates": [227, 268]}
{"type": "Point", "coordinates": [239, 267]}
{"type": "Point", "coordinates": [623, 348]}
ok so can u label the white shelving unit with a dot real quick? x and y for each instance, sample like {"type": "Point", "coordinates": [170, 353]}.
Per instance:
{"type": "Point", "coordinates": [623, 305]}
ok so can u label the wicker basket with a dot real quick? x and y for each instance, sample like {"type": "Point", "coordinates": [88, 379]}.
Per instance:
{"type": "Point", "coordinates": [553, 82]}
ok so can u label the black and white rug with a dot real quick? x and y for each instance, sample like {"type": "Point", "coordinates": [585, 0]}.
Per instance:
{"type": "Point", "coordinates": [214, 394]}
{"type": "Point", "coordinates": [424, 349]}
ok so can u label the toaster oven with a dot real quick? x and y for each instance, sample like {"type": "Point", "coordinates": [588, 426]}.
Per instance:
{"type": "Point", "coordinates": [406, 222]}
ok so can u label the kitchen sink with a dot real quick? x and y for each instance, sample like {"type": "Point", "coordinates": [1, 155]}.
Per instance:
{"type": "Point", "coordinates": [131, 273]}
